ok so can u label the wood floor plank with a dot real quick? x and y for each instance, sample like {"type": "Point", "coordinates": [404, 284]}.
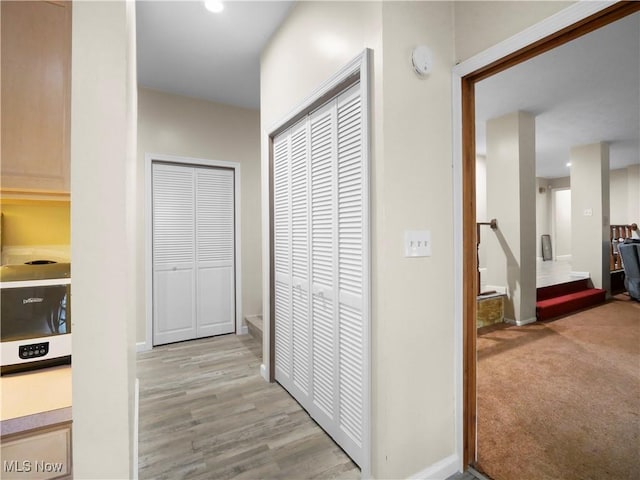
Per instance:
{"type": "Point", "coordinates": [206, 413]}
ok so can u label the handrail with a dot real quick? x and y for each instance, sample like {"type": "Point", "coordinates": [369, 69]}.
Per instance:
{"type": "Point", "coordinates": [493, 223]}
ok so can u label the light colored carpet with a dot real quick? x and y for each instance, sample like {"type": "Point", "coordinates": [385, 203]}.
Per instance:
{"type": "Point", "coordinates": [561, 399]}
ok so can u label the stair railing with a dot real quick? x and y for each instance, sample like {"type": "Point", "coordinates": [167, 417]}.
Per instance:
{"type": "Point", "coordinates": [494, 225]}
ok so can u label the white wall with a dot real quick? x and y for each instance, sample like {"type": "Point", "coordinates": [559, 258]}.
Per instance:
{"type": "Point", "coordinates": [590, 212]}
{"type": "Point", "coordinates": [511, 249]}
{"type": "Point", "coordinates": [543, 209]}
{"type": "Point", "coordinates": [561, 239]}
{"type": "Point", "coordinates": [183, 126]}
{"type": "Point", "coordinates": [414, 296]}
{"type": "Point", "coordinates": [633, 193]}
{"type": "Point", "coordinates": [618, 197]}
{"type": "Point", "coordinates": [102, 213]}
{"type": "Point", "coordinates": [480, 24]}
{"type": "Point", "coordinates": [481, 207]}
{"type": "Point", "coordinates": [625, 195]}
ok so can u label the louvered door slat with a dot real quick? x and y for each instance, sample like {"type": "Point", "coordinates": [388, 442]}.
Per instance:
{"type": "Point", "coordinates": [282, 257]}
{"type": "Point", "coordinates": [322, 154]}
{"type": "Point", "coordinates": [215, 251]}
{"type": "Point", "coordinates": [173, 224]}
{"type": "Point", "coordinates": [173, 215]}
{"type": "Point", "coordinates": [350, 265]}
{"type": "Point", "coordinates": [300, 257]}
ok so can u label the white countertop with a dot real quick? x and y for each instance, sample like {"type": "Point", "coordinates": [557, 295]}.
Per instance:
{"type": "Point", "coordinates": [38, 397]}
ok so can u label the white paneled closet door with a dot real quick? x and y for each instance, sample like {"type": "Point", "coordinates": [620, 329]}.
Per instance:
{"type": "Point", "coordinates": [320, 258]}
{"type": "Point", "coordinates": [193, 252]}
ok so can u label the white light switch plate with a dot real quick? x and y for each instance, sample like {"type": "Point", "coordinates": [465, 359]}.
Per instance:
{"type": "Point", "coordinates": [417, 243]}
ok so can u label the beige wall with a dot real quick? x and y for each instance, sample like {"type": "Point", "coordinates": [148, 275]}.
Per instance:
{"type": "Point", "coordinates": [618, 195]}
{"type": "Point", "coordinates": [633, 193]}
{"type": "Point", "coordinates": [480, 25]}
{"type": "Point", "coordinates": [625, 195]}
{"type": "Point", "coordinates": [176, 125]}
{"type": "Point", "coordinates": [102, 213]}
{"type": "Point", "coordinates": [590, 212]}
{"type": "Point", "coordinates": [511, 249]}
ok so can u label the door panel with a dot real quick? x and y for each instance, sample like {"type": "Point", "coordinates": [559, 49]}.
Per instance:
{"type": "Point", "coordinates": [174, 316]}
{"type": "Point", "coordinates": [215, 299]}
{"type": "Point", "coordinates": [215, 251]}
{"type": "Point", "coordinates": [173, 305]}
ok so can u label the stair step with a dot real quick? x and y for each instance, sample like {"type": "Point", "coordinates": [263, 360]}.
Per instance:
{"type": "Point", "coordinates": [254, 325]}
{"type": "Point", "coordinates": [569, 303]}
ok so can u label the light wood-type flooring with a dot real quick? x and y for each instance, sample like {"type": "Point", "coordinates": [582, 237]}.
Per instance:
{"type": "Point", "coordinates": [206, 413]}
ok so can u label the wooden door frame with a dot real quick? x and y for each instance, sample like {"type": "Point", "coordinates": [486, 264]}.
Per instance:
{"type": "Point", "coordinates": [567, 25]}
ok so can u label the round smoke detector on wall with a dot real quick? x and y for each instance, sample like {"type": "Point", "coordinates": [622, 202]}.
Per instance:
{"type": "Point", "coordinates": [422, 60]}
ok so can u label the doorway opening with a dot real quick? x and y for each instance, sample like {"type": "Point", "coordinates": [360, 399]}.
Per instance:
{"type": "Point", "coordinates": [584, 22]}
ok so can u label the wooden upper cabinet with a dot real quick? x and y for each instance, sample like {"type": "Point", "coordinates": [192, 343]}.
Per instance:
{"type": "Point", "coordinates": [36, 95]}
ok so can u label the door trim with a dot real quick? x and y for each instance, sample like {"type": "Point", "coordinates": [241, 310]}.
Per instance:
{"type": "Point", "coordinates": [568, 24]}
{"type": "Point", "coordinates": [358, 69]}
{"type": "Point", "coordinates": [149, 159]}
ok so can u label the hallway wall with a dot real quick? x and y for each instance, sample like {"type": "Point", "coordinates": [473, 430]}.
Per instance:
{"type": "Point", "coordinates": [176, 125]}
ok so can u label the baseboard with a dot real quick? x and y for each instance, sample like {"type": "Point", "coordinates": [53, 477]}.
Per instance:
{"type": "Point", "coordinates": [264, 373]}
{"type": "Point", "coordinates": [142, 347]}
{"type": "Point", "coordinates": [497, 288]}
{"type": "Point", "coordinates": [579, 274]}
{"type": "Point", "coordinates": [244, 330]}
{"type": "Point", "coordinates": [520, 323]}
{"type": "Point", "coordinates": [440, 470]}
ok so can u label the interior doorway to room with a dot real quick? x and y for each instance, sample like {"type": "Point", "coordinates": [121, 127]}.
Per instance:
{"type": "Point", "coordinates": [468, 90]}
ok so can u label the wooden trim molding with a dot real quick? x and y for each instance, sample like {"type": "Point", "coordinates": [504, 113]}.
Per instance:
{"type": "Point", "coordinates": [565, 34]}
{"type": "Point", "coordinates": [21, 196]}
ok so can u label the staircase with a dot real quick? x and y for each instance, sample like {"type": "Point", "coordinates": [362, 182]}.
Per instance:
{"type": "Point", "coordinates": [254, 325]}
{"type": "Point", "coordinates": [565, 298]}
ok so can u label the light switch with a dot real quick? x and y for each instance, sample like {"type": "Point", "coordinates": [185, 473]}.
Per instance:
{"type": "Point", "coordinates": [588, 212]}
{"type": "Point", "coordinates": [417, 243]}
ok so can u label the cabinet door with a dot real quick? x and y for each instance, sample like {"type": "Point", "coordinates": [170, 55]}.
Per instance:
{"type": "Point", "coordinates": [42, 454]}
{"type": "Point", "coordinates": [174, 273]}
{"type": "Point", "coordinates": [36, 71]}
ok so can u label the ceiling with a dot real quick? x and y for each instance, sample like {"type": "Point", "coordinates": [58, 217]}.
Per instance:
{"type": "Point", "coordinates": [583, 92]}
{"type": "Point", "coordinates": [185, 49]}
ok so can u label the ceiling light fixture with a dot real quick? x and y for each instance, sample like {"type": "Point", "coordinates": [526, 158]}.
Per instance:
{"type": "Point", "coordinates": [569, 164]}
{"type": "Point", "coordinates": [214, 6]}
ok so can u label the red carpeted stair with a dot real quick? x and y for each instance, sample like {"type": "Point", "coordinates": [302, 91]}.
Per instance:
{"type": "Point", "coordinates": [556, 300]}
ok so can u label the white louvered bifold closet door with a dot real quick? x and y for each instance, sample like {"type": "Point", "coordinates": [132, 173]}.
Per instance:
{"type": "Point", "coordinates": [215, 294]}
{"type": "Point", "coordinates": [319, 259]}
{"type": "Point", "coordinates": [193, 252]}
